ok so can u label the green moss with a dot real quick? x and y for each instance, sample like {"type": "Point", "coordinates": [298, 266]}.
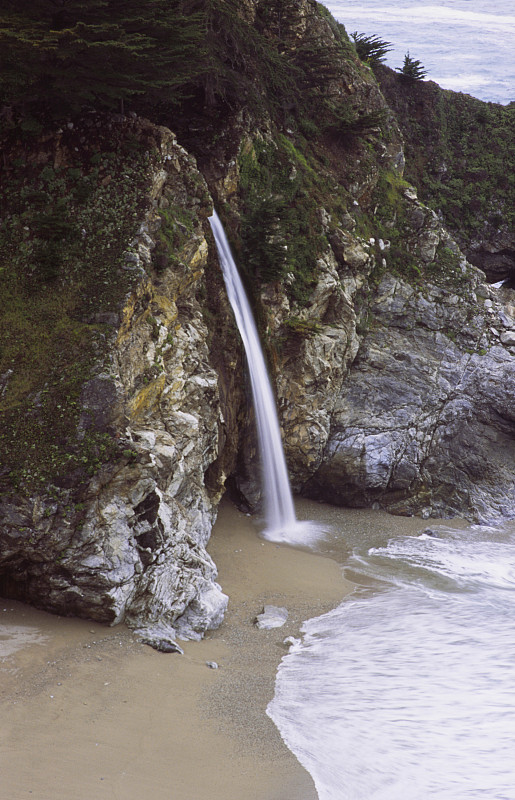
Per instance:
{"type": "Point", "coordinates": [283, 190]}
{"type": "Point", "coordinates": [176, 226]}
{"type": "Point", "coordinates": [61, 259]}
{"type": "Point", "coordinates": [302, 327]}
{"type": "Point", "coordinates": [270, 184]}
{"type": "Point", "coordinates": [457, 149]}
{"type": "Point", "coordinates": [388, 222]}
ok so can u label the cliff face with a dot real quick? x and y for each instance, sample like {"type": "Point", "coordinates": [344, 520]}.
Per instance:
{"type": "Point", "coordinates": [414, 381]}
{"type": "Point", "coordinates": [457, 149]}
{"type": "Point", "coordinates": [382, 353]}
{"type": "Point", "coordinates": [393, 360]}
{"type": "Point", "coordinates": [129, 541]}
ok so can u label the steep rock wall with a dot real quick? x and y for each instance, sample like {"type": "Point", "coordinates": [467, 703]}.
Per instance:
{"type": "Point", "coordinates": [424, 422]}
{"type": "Point", "coordinates": [457, 149]}
{"type": "Point", "coordinates": [129, 543]}
{"type": "Point", "coordinates": [393, 361]}
{"type": "Point", "coordinates": [368, 401]}
{"type": "Point", "coordinates": [404, 399]}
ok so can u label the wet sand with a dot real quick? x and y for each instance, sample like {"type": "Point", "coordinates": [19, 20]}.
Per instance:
{"type": "Point", "coordinates": [89, 713]}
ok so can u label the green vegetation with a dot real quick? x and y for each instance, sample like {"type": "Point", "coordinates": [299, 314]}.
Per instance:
{"type": "Point", "coordinates": [412, 69]}
{"type": "Point", "coordinates": [68, 212]}
{"type": "Point", "coordinates": [186, 58]}
{"type": "Point", "coordinates": [177, 224]}
{"type": "Point", "coordinates": [390, 224]}
{"type": "Point", "coordinates": [370, 49]}
{"type": "Point", "coordinates": [303, 328]}
{"type": "Point", "coordinates": [457, 152]}
{"type": "Point", "coordinates": [475, 144]}
{"type": "Point", "coordinates": [67, 215]}
{"type": "Point", "coordinates": [446, 267]}
{"type": "Point", "coordinates": [57, 59]}
{"type": "Point", "coordinates": [63, 231]}
{"type": "Point", "coordinates": [280, 229]}
{"type": "Point", "coordinates": [315, 129]}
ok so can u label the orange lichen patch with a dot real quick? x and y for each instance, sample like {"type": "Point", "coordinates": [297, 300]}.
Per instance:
{"type": "Point", "coordinates": [129, 311]}
{"type": "Point", "coordinates": [147, 398]}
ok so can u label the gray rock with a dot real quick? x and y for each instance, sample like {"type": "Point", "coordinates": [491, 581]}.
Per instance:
{"type": "Point", "coordinates": [508, 338]}
{"type": "Point", "coordinates": [99, 401]}
{"type": "Point", "coordinates": [272, 617]}
{"type": "Point", "coordinates": [423, 425]}
{"type": "Point", "coordinates": [160, 637]}
{"type": "Point", "coordinates": [135, 549]}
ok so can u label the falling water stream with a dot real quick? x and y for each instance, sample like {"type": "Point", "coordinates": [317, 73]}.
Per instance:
{"type": "Point", "coordinates": [281, 522]}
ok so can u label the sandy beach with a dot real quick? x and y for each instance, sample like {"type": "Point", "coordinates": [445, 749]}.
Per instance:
{"type": "Point", "coordinates": [89, 713]}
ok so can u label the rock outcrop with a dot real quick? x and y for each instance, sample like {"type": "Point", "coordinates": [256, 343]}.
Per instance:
{"type": "Point", "coordinates": [424, 422]}
{"type": "Point", "coordinates": [130, 542]}
{"type": "Point", "coordinates": [457, 148]}
{"type": "Point", "coordinates": [402, 399]}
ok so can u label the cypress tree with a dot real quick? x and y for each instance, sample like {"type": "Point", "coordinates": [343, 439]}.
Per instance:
{"type": "Point", "coordinates": [370, 49]}
{"type": "Point", "coordinates": [59, 57]}
{"type": "Point", "coordinates": [412, 69]}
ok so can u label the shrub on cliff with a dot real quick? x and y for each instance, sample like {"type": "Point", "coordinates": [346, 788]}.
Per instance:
{"type": "Point", "coordinates": [412, 69]}
{"type": "Point", "coordinates": [370, 49]}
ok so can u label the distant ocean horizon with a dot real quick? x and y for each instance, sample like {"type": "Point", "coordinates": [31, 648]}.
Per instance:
{"type": "Point", "coordinates": [465, 45]}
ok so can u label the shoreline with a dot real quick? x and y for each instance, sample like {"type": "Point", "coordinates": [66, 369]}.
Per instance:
{"type": "Point", "coordinates": [88, 711]}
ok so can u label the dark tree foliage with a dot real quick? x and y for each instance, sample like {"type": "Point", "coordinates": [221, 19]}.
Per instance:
{"type": "Point", "coordinates": [240, 61]}
{"type": "Point", "coordinates": [412, 69]}
{"type": "Point", "coordinates": [193, 60]}
{"type": "Point", "coordinates": [318, 63]}
{"type": "Point", "coordinates": [277, 16]}
{"type": "Point", "coordinates": [58, 56]}
{"type": "Point", "coordinates": [370, 49]}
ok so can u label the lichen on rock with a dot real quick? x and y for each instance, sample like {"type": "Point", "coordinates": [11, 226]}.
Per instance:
{"type": "Point", "coordinates": [128, 542]}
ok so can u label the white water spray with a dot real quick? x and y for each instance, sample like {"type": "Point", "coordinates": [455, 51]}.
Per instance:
{"type": "Point", "coordinates": [281, 522]}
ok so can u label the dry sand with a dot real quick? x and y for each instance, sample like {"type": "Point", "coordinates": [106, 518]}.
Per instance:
{"type": "Point", "coordinates": [88, 713]}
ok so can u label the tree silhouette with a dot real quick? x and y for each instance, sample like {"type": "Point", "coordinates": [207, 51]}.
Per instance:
{"type": "Point", "coordinates": [412, 69]}
{"type": "Point", "coordinates": [370, 49]}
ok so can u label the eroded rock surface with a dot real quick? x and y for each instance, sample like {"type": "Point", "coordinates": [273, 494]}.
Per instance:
{"type": "Point", "coordinates": [424, 422]}
{"type": "Point", "coordinates": [134, 548]}
{"type": "Point", "coordinates": [392, 360]}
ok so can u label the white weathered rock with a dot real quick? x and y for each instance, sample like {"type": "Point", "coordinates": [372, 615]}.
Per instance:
{"type": "Point", "coordinates": [422, 423]}
{"type": "Point", "coordinates": [508, 338]}
{"type": "Point", "coordinates": [271, 617]}
{"type": "Point", "coordinates": [139, 551]}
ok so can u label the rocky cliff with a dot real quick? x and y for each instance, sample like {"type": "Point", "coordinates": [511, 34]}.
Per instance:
{"type": "Point", "coordinates": [125, 415]}
{"type": "Point", "coordinates": [108, 515]}
{"type": "Point", "coordinates": [457, 149]}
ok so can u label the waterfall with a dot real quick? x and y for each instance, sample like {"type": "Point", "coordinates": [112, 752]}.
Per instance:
{"type": "Point", "coordinates": [279, 509]}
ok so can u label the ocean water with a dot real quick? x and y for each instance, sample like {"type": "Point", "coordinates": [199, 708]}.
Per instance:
{"type": "Point", "coordinates": [406, 691]}
{"type": "Point", "coordinates": [465, 45]}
